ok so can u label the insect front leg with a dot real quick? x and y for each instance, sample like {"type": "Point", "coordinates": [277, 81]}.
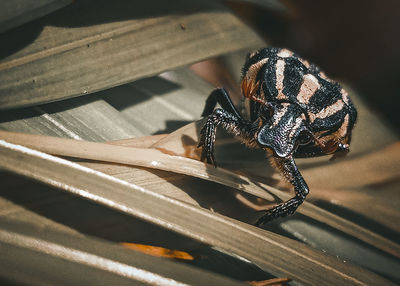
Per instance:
{"type": "Point", "coordinates": [221, 96]}
{"type": "Point", "coordinates": [289, 170]}
{"type": "Point", "coordinates": [234, 124]}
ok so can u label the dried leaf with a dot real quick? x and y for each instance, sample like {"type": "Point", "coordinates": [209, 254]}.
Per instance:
{"type": "Point", "coordinates": [85, 49]}
{"type": "Point", "coordinates": [149, 158]}
{"type": "Point", "coordinates": [152, 158]}
{"type": "Point", "coordinates": [34, 256]}
{"type": "Point", "coordinates": [158, 251]}
{"type": "Point", "coordinates": [284, 257]}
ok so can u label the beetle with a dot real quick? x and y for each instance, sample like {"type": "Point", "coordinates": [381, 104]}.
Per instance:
{"type": "Point", "coordinates": [293, 111]}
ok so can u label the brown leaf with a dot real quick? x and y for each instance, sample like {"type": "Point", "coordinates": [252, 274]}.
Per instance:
{"type": "Point", "coordinates": [152, 158]}
{"type": "Point", "coordinates": [279, 255]}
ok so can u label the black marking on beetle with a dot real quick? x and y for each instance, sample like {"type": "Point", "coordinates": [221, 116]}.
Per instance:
{"type": "Point", "coordinates": [296, 111]}
{"type": "Point", "coordinates": [331, 123]}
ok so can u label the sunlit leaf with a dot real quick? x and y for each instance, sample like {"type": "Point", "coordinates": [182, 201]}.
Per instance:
{"type": "Point", "coordinates": [282, 256]}
{"type": "Point", "coordinates": [152, 158]}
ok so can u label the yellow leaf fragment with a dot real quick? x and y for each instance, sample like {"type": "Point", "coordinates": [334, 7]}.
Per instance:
{"type": "Point", "coordinates": [158, 251]}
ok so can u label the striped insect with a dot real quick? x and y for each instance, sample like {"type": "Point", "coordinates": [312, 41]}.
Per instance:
{"type": "Point", "coordinates": [293, 111]}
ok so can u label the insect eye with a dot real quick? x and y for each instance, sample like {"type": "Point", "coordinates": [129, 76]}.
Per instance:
{"type": "Point", "coordinates": [304, 137]}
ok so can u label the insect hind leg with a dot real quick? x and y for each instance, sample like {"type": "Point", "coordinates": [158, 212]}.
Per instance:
{"type": "Point", "coordinates": [221, 96]}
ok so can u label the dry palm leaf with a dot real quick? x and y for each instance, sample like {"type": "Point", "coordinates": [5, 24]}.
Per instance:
{"type": "Point", "coordinates": [155, 159]}
{"type": "Point", "coordinates": [150, 158]}
{"type": "Point", "coordinates": [284, 257]}
{"type": "Point", "coordinates": [62, 39]}
{"type": "Point", "coordinates": [32, 256]}
{"type": "Point", "coordinates": [365, 181]}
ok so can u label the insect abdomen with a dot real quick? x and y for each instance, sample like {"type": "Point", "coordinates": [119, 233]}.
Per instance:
{"type": "Point", "coordinates": [278, 75]}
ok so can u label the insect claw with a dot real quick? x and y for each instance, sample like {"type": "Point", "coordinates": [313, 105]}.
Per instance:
{"type": "Point", "coordinates": [201, 143]}
{"type": "Point", "coordinates": [208, 156]}
{"type": "Point", "coordinates": [259, 222]}
{"type": "Point", "coordinates": [263, 220]}
{"type": "Point", "coordinates": [212, 161]}
{"type": "Point", "coordinates": [203, 156]}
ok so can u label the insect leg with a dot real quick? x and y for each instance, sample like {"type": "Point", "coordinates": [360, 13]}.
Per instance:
{"type": "Point", "coordinates": [289, 170]}
{"type": "Point", "coordinates": [231, 122]}
{"type": "Point", "coordinates": [221, 96]}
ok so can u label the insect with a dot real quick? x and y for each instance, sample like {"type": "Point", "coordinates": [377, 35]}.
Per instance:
{"type": "Point", "coordinates": [293, 111]}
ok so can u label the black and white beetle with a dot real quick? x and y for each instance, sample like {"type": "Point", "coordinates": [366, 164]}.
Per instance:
{"type": "Point", "coordinates": [293, 111]}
